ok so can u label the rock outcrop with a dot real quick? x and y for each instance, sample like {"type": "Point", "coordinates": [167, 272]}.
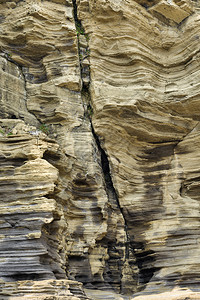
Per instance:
{"type": "Point", "coordinates": [99, 135]}
{"type": "Point", "coordinates": [145, 105]}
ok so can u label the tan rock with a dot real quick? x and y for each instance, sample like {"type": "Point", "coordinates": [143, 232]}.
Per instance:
{"type": "Point", "coordinates": [43, 290]}
{"type": "Point", "coordinates": [47, 51]}
{"type": "Point", "coordinates": [27, 214]}
{"type": "Point", "coordinates": [176, 11]}
{"type": "Point", "coordinates": [173, 295]}
{"type": "Point", "coordinates": [144, 104]}
{"type": "Point", "coordinates": [114, 207]}
{"type": "Point", "coordinates": [13, 92]}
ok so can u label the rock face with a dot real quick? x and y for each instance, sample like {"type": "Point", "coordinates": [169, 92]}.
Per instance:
{"type": "Point", "coordinates": [145, 104]}
{"type": "Point", "coordinates": [99, 135]}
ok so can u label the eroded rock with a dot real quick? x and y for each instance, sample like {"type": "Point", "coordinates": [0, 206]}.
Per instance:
{"type": "Point", "coordinates": [143, 104]}
{"type": "Point", "coordinates": [99, 139]}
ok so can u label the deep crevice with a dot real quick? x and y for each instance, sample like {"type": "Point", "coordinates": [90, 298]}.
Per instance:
{"type": "Point", "coordinates": [144, 260]}
{"type": "Point", "coordinates": [110, 190]}
{"type": "Point", "coordinates": [107, 175]}
{"type": "Point", "coordinates": [88, 112]}
{"type": "Point", "coordinates": [83, 49]}
{"type": "Point", "coordinates": [75, 11]}
{"type": "Point", "coordinates": [104, 162]}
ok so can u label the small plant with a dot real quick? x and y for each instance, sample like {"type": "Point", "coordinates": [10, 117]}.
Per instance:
{"type": "Point", "coordinates": [8, 54]}
{"type": "Point", "coordinates": [79, 29]}
{"type": "Point", "coordinates": [87, 51]}
{"type": "Point", "coordinates": [87, 37]}
{"type": "Point", "coordinates": [89, 110]}
{"type": "Point", "coordinates": [44, 128]}
{"type": "Point", "coordinates": [6, 131]}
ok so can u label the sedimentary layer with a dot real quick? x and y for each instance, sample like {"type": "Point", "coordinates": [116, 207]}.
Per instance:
{"type": "Point", "coordinates": [145, 105]}
{"type": "Point", "coordinates": [99, 139]}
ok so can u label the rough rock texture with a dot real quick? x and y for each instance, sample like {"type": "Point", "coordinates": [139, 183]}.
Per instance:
{"type": "Point", "coordinates": [32, 224]}
{"type": "Point", "coordinates": [43, 290]}
{"type": "Point", "coordinates": [99, 149]}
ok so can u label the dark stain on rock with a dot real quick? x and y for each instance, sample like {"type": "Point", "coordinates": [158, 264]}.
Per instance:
{"type": "Point", "coordinates": [158, 167]}
{"type": "Point", "coordinates": [2, 18]}
{"type": "Point", "coordinates": [79, 268]}
{"type": "Point", "coordinates": [159, 152]}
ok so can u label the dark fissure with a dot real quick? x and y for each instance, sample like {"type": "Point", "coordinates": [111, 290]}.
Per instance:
{"type": "Point", "coordinates": [114, 201]}
{"type": "Point", "coordinates": [75, 11]}
{"type": "Point", "coordinates": [83, 50]}
{"type": "Point", "coordinates": [143, 260]}
{"type": "Point", "coordinates": [107, 176]}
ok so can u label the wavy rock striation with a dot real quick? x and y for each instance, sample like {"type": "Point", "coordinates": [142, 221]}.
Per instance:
{"type": "Point", "coordinates": [28, 214]}
{"type": "Point", "coordinates": [145, 104]}
{"type": "Point", "coordinates": [99, 136]}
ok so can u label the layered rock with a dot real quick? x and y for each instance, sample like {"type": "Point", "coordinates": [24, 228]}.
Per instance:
{"type": "Point", "coordinates": [32, 223]}
{"type": "Point", "coordinates": [145, 105]}
{"type": "Point", "coordinates": [99, 148]}
{"type": "Point", "coordinates": [43, 290]}
{"type": "Point", "coordinates": [50, 79]}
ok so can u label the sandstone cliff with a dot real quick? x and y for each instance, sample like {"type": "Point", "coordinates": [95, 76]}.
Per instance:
{"type": "Point", "coordinates": [99, 149]}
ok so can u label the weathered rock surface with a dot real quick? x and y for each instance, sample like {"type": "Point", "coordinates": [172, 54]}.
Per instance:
{"type": "Point", "coordinates": [145, 105]}
{"type": "Point", "coordinates": [28, 215]}
{"type": "Point", "coordinates": [44, 289]}
{"type": "Point", "coordinates": [99, 149]}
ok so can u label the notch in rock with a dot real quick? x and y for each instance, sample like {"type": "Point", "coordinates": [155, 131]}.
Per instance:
{"type": "Point", "coordinates": [83, 48]}
{"type": "Point", "coordinates": [79, 27]}
{"type": "Point", "coordinates": [110, 189]}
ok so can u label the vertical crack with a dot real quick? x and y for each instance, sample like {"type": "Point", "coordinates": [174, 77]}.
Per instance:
{"type": "Point", "coordinates": [88, 112]}
{"type": "Point", "coordinates": [75, 11]}
{"type": "Point", "coordinates": [83, 49]}
{"type": "Point", "coordinates": [114, 201]}
{"type": "Point", "coordinates": [108, 179]}
{"type": "Point", "coordinates": [84, 53]}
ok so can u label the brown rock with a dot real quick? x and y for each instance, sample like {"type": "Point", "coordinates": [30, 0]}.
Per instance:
{"type": "Point", "coordinates": [99, 139]}
{"type": "Point", "coordinates": [143, 103]}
